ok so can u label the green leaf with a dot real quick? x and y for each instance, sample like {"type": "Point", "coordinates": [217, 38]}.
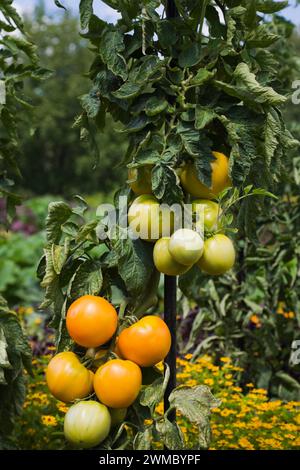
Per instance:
{"type": "Point", "coordinates": [111, 48]}
{"type": "Point", "coordinates": [58, 214]}
{"type": "Point", "coordinates": [270, 6]}
{"type": "Point", "coordinates": [195, 404]}
{"type": "Point", "coordinates": [153, 394]}
{"type": "Point", "coordinates": [203, 117]}
{"type": "Point", "coordinates": [190, 56]}
{"type": "Point", "coordinates": [143, 439]}
{"type": "Point", "coordinates": [86, 11]}
{"type": "Point", "coordinates": [15, 355]}
{"type": "Point", "coordinates": [155, 105]}
{"type": "Point", "coordinates": [170, 434]}
{"type": "Point", "coordinates": [201, 77]}
{"type": "Point", "coordinates": [166, 184]}
{"type": "Point", "coordinates": [135, 263]}
{"type": "Point", "coordinates": [166, 32]}
{"type": "Point", "coordinates": [91, 103]}
{"type": "Point", "coordinates": [87, 279]}
{"type": "Point", "coordinates": [261, 93]}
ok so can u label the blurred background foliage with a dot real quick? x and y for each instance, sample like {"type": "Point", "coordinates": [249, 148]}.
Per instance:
{"type": "Point", "coordinates": [54, 160]}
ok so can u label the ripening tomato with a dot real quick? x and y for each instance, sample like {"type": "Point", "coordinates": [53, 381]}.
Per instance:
{"type": "Point", "coordinates": [87, 424]}
{"type": "Point", "coordinates": [218, 256]}
{"type": "Point", "coordinates": [219, 178]}
{"type": "Point", "coordinates": [91, 321]}
{"type": "Point", "coordinates": [117, 415]}
{"type": "Point", "coordinates": [164, 261]}
{"type": "Point", "coordinates": [67, 378]}
{"type": "Point", "coordinates": [148, 219]}
{"type": "Point", "coordinates": [211, 211]}
{"type": "Point", "coordinates": [117, 383]}
{"type": "Point", "coordinates": [140, 179]}
{"type": "Point", "coordinates": [186, 246]}
{"type": "Point", "coordinates": [146, 342]}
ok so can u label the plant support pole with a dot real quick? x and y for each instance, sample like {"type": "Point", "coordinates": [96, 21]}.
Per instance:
{"type": "Point", "coordinates": [170, 297]}
{"type": "Point", "coordinates": [170, 319]}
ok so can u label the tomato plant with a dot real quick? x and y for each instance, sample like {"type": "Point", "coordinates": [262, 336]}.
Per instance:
{"type": "Point", "coordinates": [202, 113]}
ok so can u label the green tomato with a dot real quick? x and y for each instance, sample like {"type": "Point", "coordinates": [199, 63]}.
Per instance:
{"type": "Point", "coordinates": [148, 219]}
{"type": "Point", "coordinates": [87, 423]}
{"type": "Point", "coordinates": [186, 246]}
{"type": "Point", "coordinates": [164, 261]}
{"type": "Point", "coordinates": [218, 256]}
{"type": "Point", "coordinates": [117, 415]}
{"type": "Point", "coordinates": [211, 212]}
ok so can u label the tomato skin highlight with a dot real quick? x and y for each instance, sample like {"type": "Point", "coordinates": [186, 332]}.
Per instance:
{"type": "Point", "coordinates": [148, 219]}
{"type": "Point", "coordinates": [164, 261]}
{"type": "Point", "coordinates": [67, 378]}
{"type": "Point", "coordinates": [117, 383]}
{"type": "Point", "coordinates": [146, 342]}
{"type": "Point", "coordinates": [91, 321]}
{"type": "Point", "coordinates": [140, 180]}
{"type": "Point", "coordinates": [218, 256]}
{"type": "Point", "coordinates": [219, 179]}
{"type": "Point", "coordinates": [211, 211]}
{"type": "Point", "coordinates": [186, 246]}
{"type": "Point", "coordinates": [87, 424]}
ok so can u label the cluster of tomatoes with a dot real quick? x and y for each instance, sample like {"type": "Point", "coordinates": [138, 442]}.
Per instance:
{"type": "Point", "coordinates": [92, 322]}
{"type": "Point", "coordinates": [176, 252]}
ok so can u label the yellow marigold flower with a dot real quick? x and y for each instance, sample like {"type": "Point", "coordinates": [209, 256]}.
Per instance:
{"type": "Point", "coordinates": [250, 385]}
{"type": "Point", "coordinates": [29, 310]}
{"type": "Point", "coordinates": [228, 376]}
{"type": "Point", "coordinates": [160, 408]}
{"type": "Point", "coordinates": [245, 443]}
{"type": "Point", "coordinates": [209, 382]}
{"type": "Point", "coordinates": [225, 359]}
{"type": "Point", "coordinates": [227, 432]}
{"type": "Point", "coordinates": [147, 422]}
{"type": "Point", "coordinates": [236, 389]}
{"type": "Point", "coordinates": [228, 383]}
{"type": "Point", "coordinates": [49, 420]}
{"type": "Point", "coordinates": [259, 391]}
{"type": "Point", "coordinates": [37, 321]}
{"type": "Point", "coordinates": [290, 436]}
{"type": "Point", "coordinates": [226, 412]}
{"type": "Point", "coordinates": [188, 356]}
{"type": "Point", "coordinates": [62, 407]}
{"type": "Point", "coordinates": [255, 320]}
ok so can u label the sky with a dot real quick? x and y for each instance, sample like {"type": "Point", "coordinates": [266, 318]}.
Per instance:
{"type": "Point", "coordinates": [292, 13]}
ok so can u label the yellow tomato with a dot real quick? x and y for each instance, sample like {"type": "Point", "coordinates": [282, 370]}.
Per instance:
{"type": "Point", "coordinates": [146, 342]}
{"type": "Point", "coordinates": [67, 378]}
{"type": "Point", "coordinates": [140, 179]}
{"type": "Point", "coordinates": [164, 261]}
{"type": "Point", "coordinates": [148, 219]}
{"type": "Point", "coordinates": [218, 256]}
{"type": "Point", "coordinates": [219, 178]}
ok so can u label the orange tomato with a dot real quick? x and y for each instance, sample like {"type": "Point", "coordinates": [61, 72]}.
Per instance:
{"type": "Point", "coordinates": [91, 321]}
{"type": "Point", "coordinates": [146, 342]}
{"type": "Point", "coordinates": [67, 378]}
{"type": "Point", "coordinates": [219, 178]}
{"type": "Point", "coordinates": [117, 383]}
